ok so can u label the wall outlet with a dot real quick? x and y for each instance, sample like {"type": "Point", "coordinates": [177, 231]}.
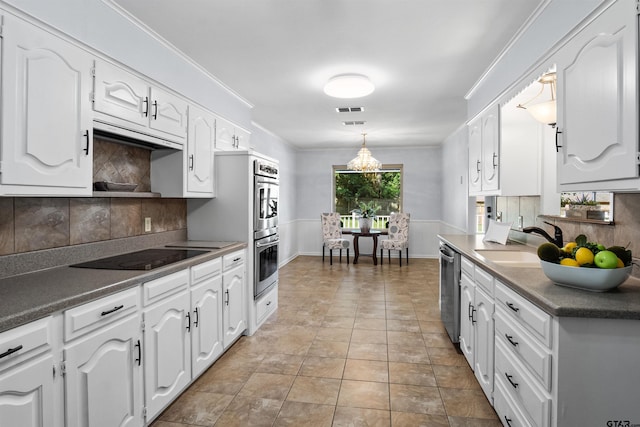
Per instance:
{"type": "Point", "coordinates": [147, 224]}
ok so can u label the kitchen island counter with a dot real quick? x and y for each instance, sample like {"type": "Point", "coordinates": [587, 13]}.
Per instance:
{"type": "Point", "coordinates": [31, 296]}
{"type": "Point", "coordinates": [620, 303]}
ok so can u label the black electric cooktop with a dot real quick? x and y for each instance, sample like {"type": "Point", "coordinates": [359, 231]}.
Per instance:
{"type": "Point", "coordinates": [147, 259]}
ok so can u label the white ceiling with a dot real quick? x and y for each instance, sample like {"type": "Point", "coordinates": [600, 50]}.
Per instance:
{"type": "Point", "coordinates": [422, 55]}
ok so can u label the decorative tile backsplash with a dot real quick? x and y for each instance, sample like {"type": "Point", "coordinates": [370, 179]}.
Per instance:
{"type": "Point", "coordinates": [31, 224]}
{"type": "Point", "coordinates": [121, 163]}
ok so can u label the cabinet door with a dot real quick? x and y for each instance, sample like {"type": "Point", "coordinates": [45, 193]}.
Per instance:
{"type": "Point", "coordinates": [597, 99]}
{"type": "Point", "coordinates": [484, 341]}
{"type": "Point", "coordinates": [202, 128]}
{"type": "Point", "coordinates": [167, 356]}
{"type": "Point", "coordinates": [206, 336]}
{"type": "Point", "coordinates": [120, 94]}
{"type": "Point", "coordinates": [475, 154]}
{"type": "Point", "coordinates": [467, 315]}
{"type": "Point", "coordinates": [168, 114]}
{"type": "Point", "coordinates": [234, 312]}
{"type": "Point", "coordinates": [26, 394]}
{"type": "Point", "coordinates": [46, 113]}
{"type": "Point", "coordinates": [242, 139]}
{"type": "Point", "coordinates": [225, 135]}
{"type": "Point", "coordinates": [490, 122]}
{"type": "Point", "coordinates": [103, 382]}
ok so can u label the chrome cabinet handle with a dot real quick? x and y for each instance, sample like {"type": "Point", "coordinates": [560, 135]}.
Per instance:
{"type": "Point", "coordinates": [226, 294]}
{"type": "Point", "coordinates": [495, 156]}
{"type": "Point", "coordinates": [470, 312]}
{"type": "Point", "coordinates": [191, 162]}
{"type": "Point", "coordinates": [188, 322]}
{"type": "Point", "coordinates": [478, 166]}
{"type": "Point", "coordinates": [197, 319]}
{"type": "Point", "coordinates": [155, 110]}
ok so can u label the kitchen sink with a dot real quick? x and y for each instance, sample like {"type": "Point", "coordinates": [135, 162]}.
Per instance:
{"type": "Point", "coordinates": [510, 258]}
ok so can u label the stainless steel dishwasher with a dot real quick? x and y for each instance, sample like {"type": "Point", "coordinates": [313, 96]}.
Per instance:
{"type": "Point", "coordinates": [450, 291]}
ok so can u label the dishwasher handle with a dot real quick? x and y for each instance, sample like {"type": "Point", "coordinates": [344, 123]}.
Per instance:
{"type": "Point", "coordinates": [445, 256]}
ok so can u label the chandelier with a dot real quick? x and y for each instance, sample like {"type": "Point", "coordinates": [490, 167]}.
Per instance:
{"type": "Point", "coordinates": [544, 112]}
{"type": "Point", "coordinates": [364, 161]}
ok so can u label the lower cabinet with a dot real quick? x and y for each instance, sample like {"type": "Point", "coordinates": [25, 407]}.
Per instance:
{"type": "Point", "coordinates": [27, 378]}
{"type": "Point", "coordinates": [234, 311]}
{"type": "Point", "coordinates": [102, 366]}
{"type": "Point", "coordinates": [206, 333]}
{"type": "Point", "coordinates": [477, 323]}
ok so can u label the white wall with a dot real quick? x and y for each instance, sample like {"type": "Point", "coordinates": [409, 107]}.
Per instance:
{"type": "Point", "coordinates": [422, 197]}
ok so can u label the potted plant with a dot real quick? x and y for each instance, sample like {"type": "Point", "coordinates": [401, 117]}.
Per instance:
{"type": "Point", "coordinates": [366, 212]}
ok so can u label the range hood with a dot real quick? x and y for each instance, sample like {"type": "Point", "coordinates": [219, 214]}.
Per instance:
{"type": "Point", "coordinates": [123, 135]}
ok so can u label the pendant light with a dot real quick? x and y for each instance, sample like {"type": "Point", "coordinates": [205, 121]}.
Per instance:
{"type": "Point", "coordinates": [545, 111]}
{"type": "Point", "coordinates": [364, 161]}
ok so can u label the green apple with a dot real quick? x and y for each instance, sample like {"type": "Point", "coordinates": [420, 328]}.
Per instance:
{"type": "Point", "coordinates": [606, 259]}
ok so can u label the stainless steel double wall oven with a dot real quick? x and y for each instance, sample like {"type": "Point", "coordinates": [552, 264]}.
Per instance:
{"type": "Point", "coordinates": [265, 226]}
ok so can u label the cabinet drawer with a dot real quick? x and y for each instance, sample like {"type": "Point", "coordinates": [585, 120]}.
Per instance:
{"type": "Point", "coordinates": [267, 304]}
{"type": "Point", "coordinates": [88, 317]}
{"type": "Point", "coordinates": [467, 267]}
{"type": "Point", "coordinates": [484, 280]}
{"type": "Point", "coordinates": [232, 260]}
{"type": "Point", "coordinates": [163, 287]}
{"type": "Point", "coordinates": [206, 270]}
{"type": "Point", "coordinates": [519, 342]}
{"type": "Point", "coordinates": [531, 317]}
{"type": "Point", "coordinates": [508, 411]}
{"type": "Point", "coordinates": [24, 342]}
{"type": "Point", "coordinates": [522, 387]}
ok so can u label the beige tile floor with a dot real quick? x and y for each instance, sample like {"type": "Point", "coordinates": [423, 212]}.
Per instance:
{"type": "Point", "coordinates": [350, 345]}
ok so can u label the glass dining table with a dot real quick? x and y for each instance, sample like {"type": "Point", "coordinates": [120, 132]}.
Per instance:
{"type": "Point", "coordinates": [357, 233]}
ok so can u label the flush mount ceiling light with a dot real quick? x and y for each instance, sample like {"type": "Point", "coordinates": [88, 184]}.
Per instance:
{"type": "Point", "coordinates": [349, 86]}
{"type": "Point", "coordinates": [364, 161]}
{"type": "Point", "coordinates": [543, 111]}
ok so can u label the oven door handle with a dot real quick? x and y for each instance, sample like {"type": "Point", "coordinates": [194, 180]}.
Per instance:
{"type": "Point", "coordinates": [271, 243]}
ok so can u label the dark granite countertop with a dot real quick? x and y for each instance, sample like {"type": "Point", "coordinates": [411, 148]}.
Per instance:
{"type": "Point", "coordinates": [620, 303]}
{"type": "Point", "coordinates": [31, 296]}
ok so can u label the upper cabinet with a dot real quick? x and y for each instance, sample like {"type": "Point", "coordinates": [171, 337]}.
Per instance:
{"type": "Point", "coordinates": [597, 130]}
{"type": "Point", "coordinates": [187, 173]}
{"type": "Point", "coordinates": [484, 153]}
{"type": "Point", "coordinates": [230, 137]}
{"type": "Point", "coordinates": [127, 104]}
{"type": "Point", "coordinates": [46, 146]}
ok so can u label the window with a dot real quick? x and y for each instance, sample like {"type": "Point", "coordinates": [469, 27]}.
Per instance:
{"type": "Point", "coordinates": [350, 188]}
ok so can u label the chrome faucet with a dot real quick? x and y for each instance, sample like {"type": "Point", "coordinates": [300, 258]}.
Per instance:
{"type": "Point", "coordinates": [556, 240]}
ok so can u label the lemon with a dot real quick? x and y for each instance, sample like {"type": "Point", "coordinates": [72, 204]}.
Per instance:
{"type": "Point", "coordinates": [584, 256]}
{"type": "Point", "coordinates": [620, 263]}
{"type": "Point", "coordinates": [568, 248]}
{"type": "Point", "coordinates": [569, 262]}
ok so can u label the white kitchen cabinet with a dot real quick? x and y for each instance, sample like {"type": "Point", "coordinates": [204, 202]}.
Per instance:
{"type": "Point", "coordinates": [484, 153]}
{"type": "Point", "coordinates": [206, 309]}
{"type": "Point", "coordinates": [102, 368]}
{"type": "Point", "coordinates": [477, 323]}
{"type": "Point", "coordinates": [187, 173]}
{"type": "Point", "coordinates": [230, 136]}
{"type": "Point", "coordinates": [597, 130]}
{"type": "Point", "coordinates": [27, 376]}
{"type": "Point", "coordinates": [167, 340]}
{"type": "Point", "coordinates": [130, 105]}
{"type": "Point", "coordinates": [234, 310]}
{"type": "Point", "coordinates": [47, 133]}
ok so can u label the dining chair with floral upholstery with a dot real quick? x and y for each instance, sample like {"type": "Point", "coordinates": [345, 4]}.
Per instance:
{"type": "Point", "coordinates": [332, 235]}
{"type": "Point", "coordinates": [398, 237]}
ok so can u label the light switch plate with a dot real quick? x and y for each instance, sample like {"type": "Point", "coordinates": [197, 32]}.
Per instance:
{"type": "Point", "coordinates": [147, 224]}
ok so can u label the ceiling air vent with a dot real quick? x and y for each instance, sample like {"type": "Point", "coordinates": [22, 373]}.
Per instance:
{"type": "Point", "coordinates": [350, 109]}
{"type": "Point", "coordinates": [354, 123]}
